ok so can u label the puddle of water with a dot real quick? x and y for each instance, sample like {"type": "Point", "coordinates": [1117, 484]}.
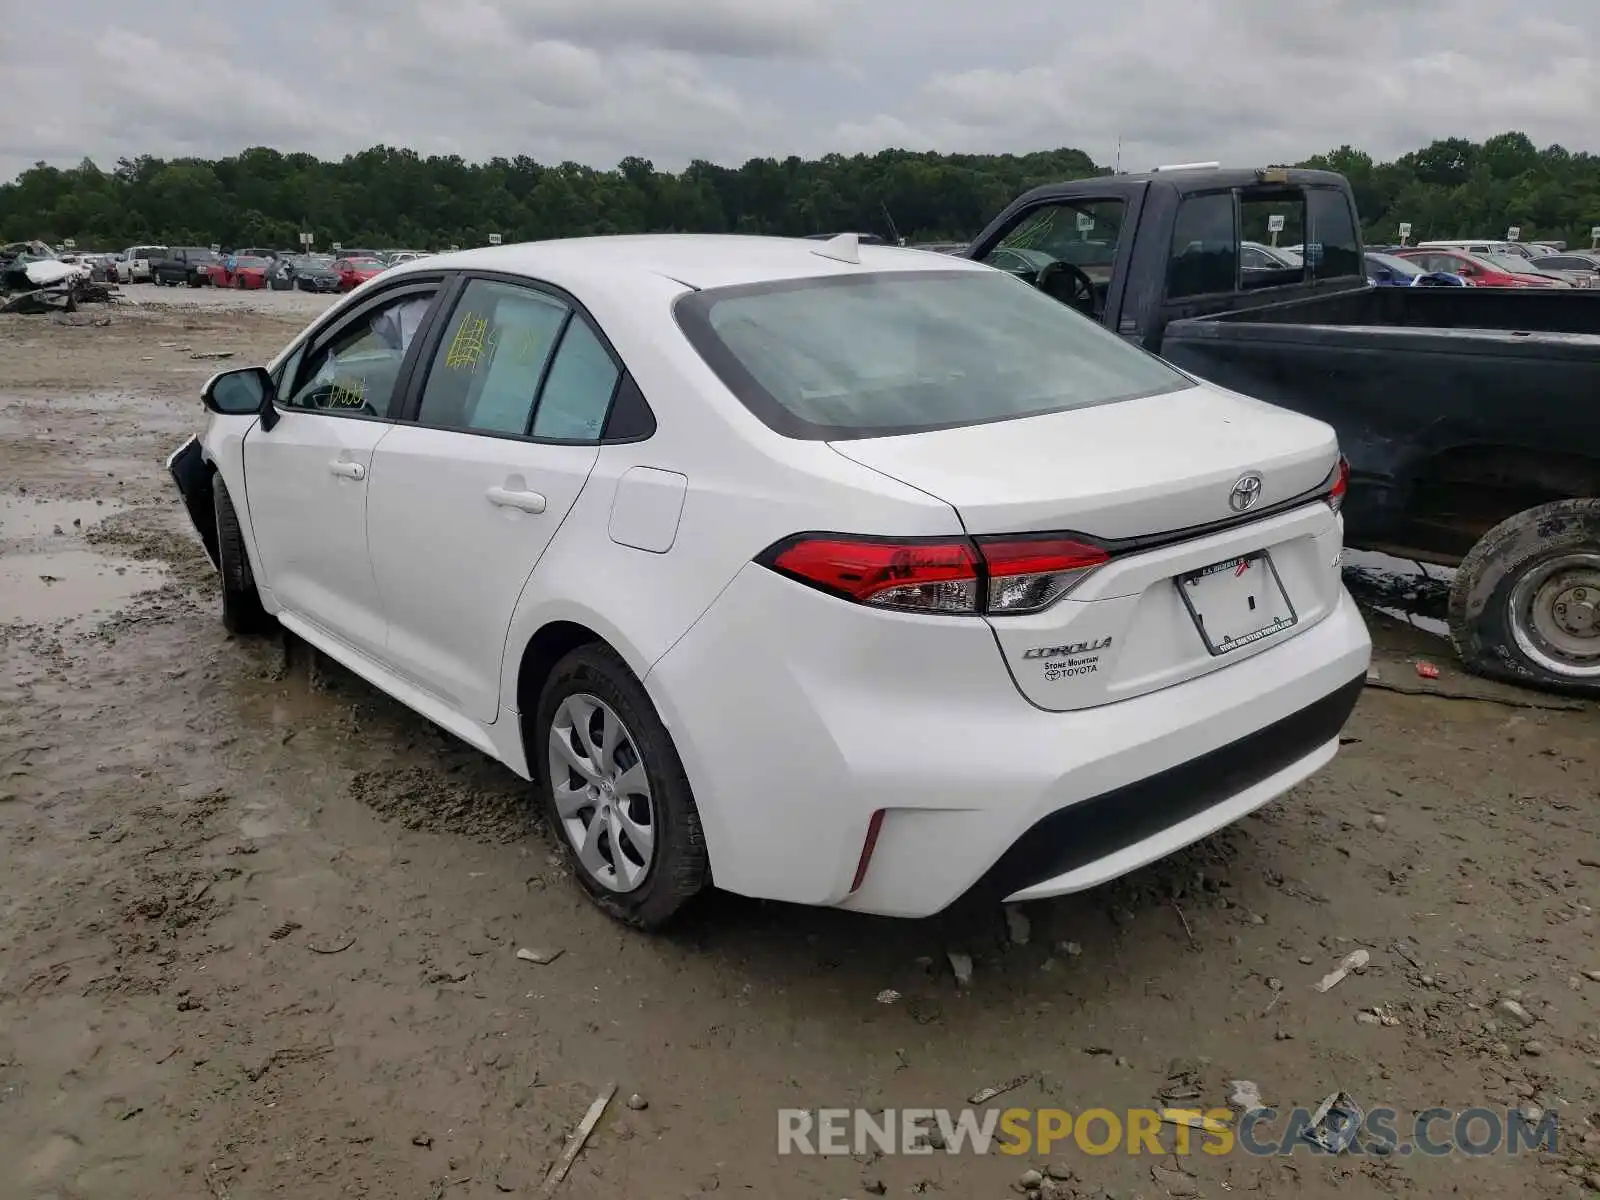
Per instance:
{"type": "Point", "coordinates": [23, 518]}
{"type": "Point", "coordinates": [69, 583]}
{"type": "Point", "coordinates": [1417, 594]}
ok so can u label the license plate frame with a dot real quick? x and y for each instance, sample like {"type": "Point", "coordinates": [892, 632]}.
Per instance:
{"type": "Point", "coordinates": [1185, 585]}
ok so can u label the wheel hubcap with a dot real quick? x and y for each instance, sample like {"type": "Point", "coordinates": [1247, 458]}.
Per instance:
{"type": "Point", "coordinates": [602, 793]}
{"type": "Point", "coordinates": [1555, 615]}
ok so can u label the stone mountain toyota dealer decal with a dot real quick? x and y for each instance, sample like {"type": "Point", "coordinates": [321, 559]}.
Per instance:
{"type": "Point", "coordinates": [1064, 662]}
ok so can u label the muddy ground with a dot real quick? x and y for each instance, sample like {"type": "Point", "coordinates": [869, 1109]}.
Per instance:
{"type": "Point", "coordinates": [258, 924]}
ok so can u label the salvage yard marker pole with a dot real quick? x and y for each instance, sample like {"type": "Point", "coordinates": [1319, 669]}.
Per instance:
{"type": "Point", "coordinates": [578, 1138]}
{"type": "Point", "coordinates": [1594, 238]}
{"type": "Point", "coordinates": [1405, 232]}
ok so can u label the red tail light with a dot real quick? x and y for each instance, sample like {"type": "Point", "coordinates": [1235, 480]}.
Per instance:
{"type": "Point", "coordinates": [1029, 574]}
{"type": "Point", "coordinates": [1004, 575]}
{"type": "Point", "coordinates": [1341, 484]}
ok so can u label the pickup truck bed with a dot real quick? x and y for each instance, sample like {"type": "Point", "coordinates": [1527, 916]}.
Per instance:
{"type": "Point", "coordinates": [1470, 416]}
{"type": "Point", "coordinates": [1419, 382]}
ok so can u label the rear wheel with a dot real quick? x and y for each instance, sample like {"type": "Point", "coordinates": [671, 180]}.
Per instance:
{"type": "Point", "coordinates": [1525, 604]}
{"type": "Point", "coordinates": [242, 611]}
{"type": "Point", "coordinates": [615, 791]}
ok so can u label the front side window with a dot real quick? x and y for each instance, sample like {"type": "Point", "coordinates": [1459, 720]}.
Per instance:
{"type": "Point", "coordinates": [903, 352]}
{"type": "Point", "coordinates": [356, 370]}
{"type": "Point", "coordinates": [486, 372]}
{"type": "Point", "coordinates": [1066, 249]}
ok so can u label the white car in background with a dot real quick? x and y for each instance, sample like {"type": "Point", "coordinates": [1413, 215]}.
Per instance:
{"type": "Point", "coordinates": [133, 264]}
{"type": "Point", "coordinates": [837, 574]}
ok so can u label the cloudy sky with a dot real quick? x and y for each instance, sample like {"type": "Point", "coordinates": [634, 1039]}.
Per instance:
{"type": "Point", "coordinates": [1244, 81]}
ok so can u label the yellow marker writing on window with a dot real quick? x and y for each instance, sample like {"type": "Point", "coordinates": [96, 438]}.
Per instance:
{"type": "Point", "coordinates": [467, 347]}
{"type": "Point", "coordinates": [348, 394]}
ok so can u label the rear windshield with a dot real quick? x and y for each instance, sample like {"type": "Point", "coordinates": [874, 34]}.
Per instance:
{"type": "Point", "coordinates": [903, 352]}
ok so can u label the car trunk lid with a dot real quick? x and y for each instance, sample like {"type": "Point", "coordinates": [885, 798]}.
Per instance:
{"type": "Point", "coordinates": [1199, 480]}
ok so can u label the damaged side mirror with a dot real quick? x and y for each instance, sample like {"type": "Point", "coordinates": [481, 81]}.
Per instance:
{"type": "Point", "coordinates": [238, 393]}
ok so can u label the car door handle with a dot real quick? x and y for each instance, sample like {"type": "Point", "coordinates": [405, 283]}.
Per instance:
{"type": "Point", "coordinates": [528, 502]}
{"type": "Point", "coordinates": [347, 470]}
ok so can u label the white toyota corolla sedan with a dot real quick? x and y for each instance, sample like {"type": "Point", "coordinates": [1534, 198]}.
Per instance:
{"type": "Point", "coordinates": [838, 574]}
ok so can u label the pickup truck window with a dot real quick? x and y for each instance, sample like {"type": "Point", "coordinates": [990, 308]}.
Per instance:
{"type": "Point", "coordinates": [1068, 250]}
{"type": "Point", "coordinates": [1334, 240]}
{"type": "Point", "coordinates": [905, 352]}
{"type": "Point", "coordinates": [1205, 249]}
{"type": "Point", "coordinates": [1276, 217]}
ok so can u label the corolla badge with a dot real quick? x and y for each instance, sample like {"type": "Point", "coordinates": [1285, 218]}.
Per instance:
{"type": "Point", "coordinates": [1246, 492]}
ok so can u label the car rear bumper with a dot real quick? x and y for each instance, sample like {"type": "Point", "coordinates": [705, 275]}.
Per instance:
{"type": "Point", "coordinates": [798, 716]}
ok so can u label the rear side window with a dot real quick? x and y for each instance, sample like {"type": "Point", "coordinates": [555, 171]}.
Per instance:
{"type": "Point", "coordinates": [577, 392]}
{"type": "Point", "coordinates": [487, 369]}
{"type": "Point", "coordinates": [904, 352]}
{"type": "Point", "coordinates": [1205, 249]}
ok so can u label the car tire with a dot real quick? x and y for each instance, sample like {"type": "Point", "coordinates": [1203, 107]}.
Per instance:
{"type": "Point", "coordinates": [593, 677]}
{"type": "Point", "coordinates": [242, 611]}
{"type": "Point", "coordinates": [1525, 603]}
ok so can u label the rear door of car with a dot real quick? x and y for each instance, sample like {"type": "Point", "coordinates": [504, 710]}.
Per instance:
{"type": "Point", "coordinates": [499, 433]}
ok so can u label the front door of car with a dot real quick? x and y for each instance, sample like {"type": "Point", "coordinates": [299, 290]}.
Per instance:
{"type": "Point", "coordinates": [308, 476]}
{"type": "Point", "coordinates": [502, 429]}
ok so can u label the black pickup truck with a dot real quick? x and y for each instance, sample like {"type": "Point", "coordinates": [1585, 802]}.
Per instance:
{"type": "Point", "coordinates": [1470, 416]}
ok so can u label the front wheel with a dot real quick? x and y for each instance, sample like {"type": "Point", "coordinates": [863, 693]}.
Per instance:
{"type": "Point", "coordinates": [1525, 604]}
{"type": "Point", "coordinates": [242, 611]}
{"type": "Point", "coordinates": [615, 791]}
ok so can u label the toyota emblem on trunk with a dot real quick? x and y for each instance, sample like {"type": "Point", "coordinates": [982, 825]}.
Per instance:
{"type": "Point", "coordinates": [1245, 492]}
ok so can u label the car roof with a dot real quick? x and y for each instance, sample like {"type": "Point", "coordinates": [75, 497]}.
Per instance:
{"type": "Point", "coordinates": [692, 260]}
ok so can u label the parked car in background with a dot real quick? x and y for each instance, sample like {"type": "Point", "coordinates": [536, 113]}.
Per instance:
{"type": "Point", "coordinates": [1476, 246]}
{"type": "Point", "coordinates": [1572, 262]}
{"type": "Point", "coordinates": [133, 265]}
{"type": "Point", "coordinates": [1390, 270]}
{"type": "Point", "coordinates": [347, 252]}
{"type": "Point", "coordinates": [1258, 256]}
{"type": "Point", "coordinates": [1517, 264]}
{"type": "Point", "coordinates": [305, 273]}
{"type": "Point", "coordinates": [244, 272]}
{"type": "Point", "coordinates": [395, 257]}
{"type": "Point", "coordinates": [1479, 270]}
{"type": "Point", "coordinates": [353, 272]}
{"type": "Point", "coordinates": [255, 252]}
{"type": "Point", "coordinates": [1040, 539]}
{"type": "Point", "coordinates": [97, 266]}
{"type": "Point", "coordinates": [184, 265]}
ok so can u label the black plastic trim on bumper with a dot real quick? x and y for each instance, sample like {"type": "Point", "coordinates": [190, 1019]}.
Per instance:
{"type": "Point", "coordinates": [1085, 832]}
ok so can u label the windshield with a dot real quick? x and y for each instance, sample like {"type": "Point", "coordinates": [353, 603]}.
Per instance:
{"type": "Point", "coordinates": [1514, 263]}
{"type": "Point", "coordinates": [249, 260]}
{"type": "Point", "coordinates": [362, 264]}
{"type": "Point", "coordinates": [903, 352]}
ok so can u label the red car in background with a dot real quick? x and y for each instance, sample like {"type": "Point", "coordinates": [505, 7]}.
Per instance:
{"type": "Point", "coordinates": [244, 271]}
{"type": "Point", "coordinates": [1478, 270]}
{"type": "Point", "coordinates": [353, 272]}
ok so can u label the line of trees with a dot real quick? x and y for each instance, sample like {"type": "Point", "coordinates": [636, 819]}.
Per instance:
{"type": "Point", "coordinates": [392, 197]}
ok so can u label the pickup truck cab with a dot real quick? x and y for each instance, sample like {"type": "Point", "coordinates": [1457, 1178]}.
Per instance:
{"type": "Point", "coordinates": [184, 265]}
{"type": "Point", "coordinates": [1467, 414]}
